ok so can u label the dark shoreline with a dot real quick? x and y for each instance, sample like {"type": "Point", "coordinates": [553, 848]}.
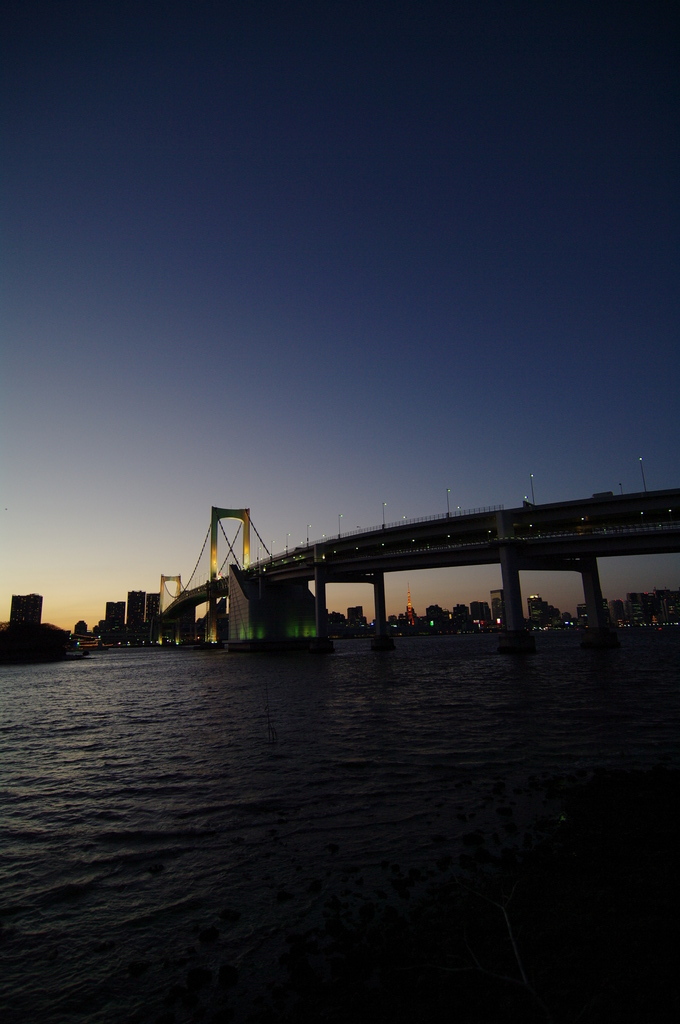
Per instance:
{"type": "Point", "coordinates": [27, 642]}
{"type": "Point", "coordinates": [572, 922]}
{"type": "Point", "coordinates": [582, 926]}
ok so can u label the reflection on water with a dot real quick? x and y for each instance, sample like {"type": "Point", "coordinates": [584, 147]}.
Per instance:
{"type": "Point", "coordinates": [142, 802]}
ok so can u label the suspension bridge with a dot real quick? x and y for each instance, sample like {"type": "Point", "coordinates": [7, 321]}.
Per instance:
{"type": "Point", "coordinates": [272, 607]}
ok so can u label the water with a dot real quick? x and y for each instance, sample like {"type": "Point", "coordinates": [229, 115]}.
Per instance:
{"type": "Point", "coordinates": [141, 802]}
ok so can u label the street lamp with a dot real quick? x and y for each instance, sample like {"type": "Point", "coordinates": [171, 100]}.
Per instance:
{"type": "Point", "coordinates": [287, 539]}
{"type": "Point", "coordinates": [642, 470]}
{"type": "Point", "coordinates": [448, 509]}
{"type": "Point", "coordinates": [531, 477]}
{"type": "Point", "coordinates": [384, 505]}
{"type": "Point", "coordinates": [309, 526]}
{"type": "Point", "coordinates": [339, 518]}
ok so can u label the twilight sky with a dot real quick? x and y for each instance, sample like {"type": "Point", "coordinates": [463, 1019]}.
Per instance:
{"type": "Point", "coordinates": [313, 257]}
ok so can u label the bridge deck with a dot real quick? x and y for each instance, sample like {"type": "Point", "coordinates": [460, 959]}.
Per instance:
{"type": "Point", "coordinates": [554, 535]}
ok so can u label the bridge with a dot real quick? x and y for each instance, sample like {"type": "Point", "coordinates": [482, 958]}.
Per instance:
{"type": "Point", "coordinates": [270, 604]}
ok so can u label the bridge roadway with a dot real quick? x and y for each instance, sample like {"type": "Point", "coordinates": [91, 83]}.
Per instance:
{"type": "Point", "coordinates": [628, 524]}
{"type": "Point", "coordinates": [556, 536]}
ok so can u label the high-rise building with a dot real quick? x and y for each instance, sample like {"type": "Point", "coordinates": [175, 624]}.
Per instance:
{"type": "Point", "coordinates": [26, 608]}
{"type": "Point", "coordinates": [136, 604]}
{"type": "Point", "coordinates": [541, 613]}
{"type": "Point", "coordinates": [497, 607]}
{"type": "Point", "coordinates": [437, 617]}
{"type": "Point", "coordinates": [667, 606]}
{"type": "Point", "coordinates": [480, 611]}
{"type": "Point", "coordinates": [639, 607]}
{"type": "Point", "coordinates": [153, 604]}
{"type": "Point", "coordinates": [617, 612]}
{"type": "Point", "coordinates": [658, 608]}
{"type": "Point", "coordinates": [355, 616]}
{"type": "Point", "coordinates": [460, 618]}
{"type": "Point", "coordinates": [115, 615]}
{"type": "Point", "coordinates": [538, 611]}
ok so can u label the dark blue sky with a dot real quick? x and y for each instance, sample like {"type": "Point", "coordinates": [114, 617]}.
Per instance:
{"type": "Point", "coordinates": [310, 257]}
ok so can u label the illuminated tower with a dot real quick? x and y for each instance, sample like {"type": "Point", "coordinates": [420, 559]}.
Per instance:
{"type": "Point", "coordinates": [410, 614]}
{"type": "Point", "coordinates": [243, 514]}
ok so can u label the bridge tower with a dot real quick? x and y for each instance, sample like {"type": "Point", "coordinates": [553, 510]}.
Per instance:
{"type": "Point", "coordinates": [243, 515]}
{"type": "Point", "coordinates": [177, 580]}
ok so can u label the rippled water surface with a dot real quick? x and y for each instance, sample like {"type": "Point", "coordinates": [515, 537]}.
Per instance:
{"type": "Point", "coordinates": [142, 803]}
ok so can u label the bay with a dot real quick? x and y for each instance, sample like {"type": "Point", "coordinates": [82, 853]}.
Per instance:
{"type": "Point", "coordinates": [149, 825]}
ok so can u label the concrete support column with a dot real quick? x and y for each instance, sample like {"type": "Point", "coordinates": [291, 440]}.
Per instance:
{"type": "Point", "coordinates": [320, 644]}
{"type": "Point", "coordinates": [321, 617]}
{"type": "Point", "coordinates": [516, 639]}
{"type": "Point", "coordinates": [598, 633]}
{"type": "Point", "coordinates": [381, 641]}
{"type": "Point", "coordinates": [211, 617]}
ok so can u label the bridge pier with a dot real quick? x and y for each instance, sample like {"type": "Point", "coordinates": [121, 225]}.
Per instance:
{"type": "Point", "coordinates": [381, 641]}
{"type": "Point", "coordinates": [267, 616]}
{"type": "Point", "coordinates": [321, 643]}
{"type": "Point", "coordinates": [598, 634]}
{"type": "Point", "coordinates": [516, 639]}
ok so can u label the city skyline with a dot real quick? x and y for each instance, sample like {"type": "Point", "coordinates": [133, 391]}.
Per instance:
{"type": "Point", "coordinates": [445, 586]}
{"type": "Point", "coordinates": [117, 613]}
{"type": "Point", "coordinates": [330, 261]}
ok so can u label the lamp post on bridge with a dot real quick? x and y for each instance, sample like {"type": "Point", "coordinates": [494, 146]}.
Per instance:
{"type": "Point", "coordinates": [531, 477]}
{"type": "Point", "coordinates": [448, 507]}
{"type": "Point", "coordinates": [339, 518]}
{"type": "Point", "coordinates": [642, 470]}
{"type": "Point", "coordinates": [287, 539]}
{"type": "Point", "coordinates": [384, 507]}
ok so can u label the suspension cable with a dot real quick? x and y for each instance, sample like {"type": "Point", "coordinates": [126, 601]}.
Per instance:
{"type": "Point", "coordinates": [260, 538]}
{"type": "Point", "coordinates": [231, 549]}
{"type": "Point", "coordinates": [186, 587]}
